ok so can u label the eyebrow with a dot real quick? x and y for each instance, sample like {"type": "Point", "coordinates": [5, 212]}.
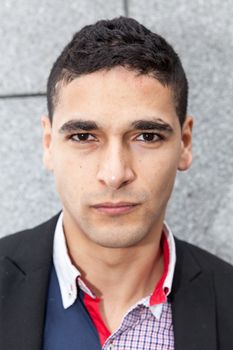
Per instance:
{"type": "Point", "coordinates": [74, 125]}
{"type": "Point", "coordinates": [157, 124]}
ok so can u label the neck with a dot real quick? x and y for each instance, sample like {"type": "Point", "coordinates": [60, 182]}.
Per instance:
{"type": "Point", "coordinates": [136, 269]}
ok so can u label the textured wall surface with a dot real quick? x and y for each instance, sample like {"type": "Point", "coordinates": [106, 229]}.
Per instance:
{"type": "Point", "coordinates": [33, 33]}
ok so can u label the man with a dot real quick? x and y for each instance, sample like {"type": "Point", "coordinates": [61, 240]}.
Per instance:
{"type": "Point", "coordinates": [107, 272]}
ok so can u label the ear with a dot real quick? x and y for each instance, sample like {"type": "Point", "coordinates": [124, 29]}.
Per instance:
{"type": "Point", "coordinates": [47, 142]}
{"type": "Point", "coordinates": [186, 144]}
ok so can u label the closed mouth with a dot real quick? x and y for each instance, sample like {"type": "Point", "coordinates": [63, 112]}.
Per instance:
{"type": "Point", "coordinates": [115, 208]}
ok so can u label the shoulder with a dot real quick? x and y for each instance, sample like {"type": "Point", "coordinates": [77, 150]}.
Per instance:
{"type": "Point", "coordinates": [39, 235]}
{"type": "Point", "coordinates": [207, 265]}
{"type": "Point", "coordinates": [204, 285]}
{"type": "Point", "coordinates": [206, 260]}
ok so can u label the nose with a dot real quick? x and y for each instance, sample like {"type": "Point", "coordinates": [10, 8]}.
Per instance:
{"type": "Point", "coordinates": [115, 169]}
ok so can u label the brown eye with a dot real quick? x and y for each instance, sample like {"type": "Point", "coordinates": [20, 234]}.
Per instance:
{"type": "Point", "coordinates": [149, 137]}
{"type": "Point", "coordinates": [82, 137]}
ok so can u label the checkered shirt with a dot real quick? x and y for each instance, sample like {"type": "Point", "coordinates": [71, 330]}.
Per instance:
{"type": "Point", "coordinates": [140, 330]}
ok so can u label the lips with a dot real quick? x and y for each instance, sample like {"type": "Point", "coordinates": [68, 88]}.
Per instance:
{"type": "Point", "coordinates": [115, 208]}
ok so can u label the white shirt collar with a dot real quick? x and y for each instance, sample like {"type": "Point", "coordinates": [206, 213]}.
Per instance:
{"type": "Point", "coordinates": [172, 258]}
{"type": "Point", "coordinates": [68, 275]}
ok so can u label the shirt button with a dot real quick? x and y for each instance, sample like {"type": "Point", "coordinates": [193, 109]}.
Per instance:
{"type": "Point", "coordinates": [111, 347]}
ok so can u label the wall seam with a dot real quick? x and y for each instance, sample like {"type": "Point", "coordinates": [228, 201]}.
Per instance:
{"type": "Point", "coordinates": [126, 7]}
{"type": "Point", "coordinates": [23, 95]}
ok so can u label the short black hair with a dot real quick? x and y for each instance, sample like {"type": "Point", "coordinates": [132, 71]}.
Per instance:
{"type": "Point", "coordinates": [119, 42]}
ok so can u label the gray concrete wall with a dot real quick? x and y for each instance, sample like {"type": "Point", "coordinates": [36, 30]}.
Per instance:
{"type": "Point", "coordinates": [33, 33]}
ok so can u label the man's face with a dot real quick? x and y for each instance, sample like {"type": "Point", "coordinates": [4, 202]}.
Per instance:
{"type": "Point", "coordinates": [114, 148]}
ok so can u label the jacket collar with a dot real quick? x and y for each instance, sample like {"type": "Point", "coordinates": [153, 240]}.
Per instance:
{"type": "Point", "coordinates": [193, 303]}
{"type": "Point", "coordinates": [24, 275]}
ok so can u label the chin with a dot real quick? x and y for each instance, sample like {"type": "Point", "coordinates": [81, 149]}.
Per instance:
{"type": "Point", "coordinates": [118, 239]}
{"type": "Point", "coordinates": [116, 245]}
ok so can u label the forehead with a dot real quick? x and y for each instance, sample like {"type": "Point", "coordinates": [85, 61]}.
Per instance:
{"type": "Point", "coordinates": [115, 97]}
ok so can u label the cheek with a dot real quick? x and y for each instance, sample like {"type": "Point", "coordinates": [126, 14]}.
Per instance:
{"type": "Point", "coordinates": [159, 173]}
{"type": "Point", "coordinates": [73, 174]}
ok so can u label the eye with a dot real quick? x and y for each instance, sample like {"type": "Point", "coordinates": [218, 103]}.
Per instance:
{"type": "Point", "coordinates": [149, 137]}
{"type": "Point", "coordinates": [82, 137]}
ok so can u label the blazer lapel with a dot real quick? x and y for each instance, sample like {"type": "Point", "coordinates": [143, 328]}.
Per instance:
{"type": "Point", "coordinates": [193, 305]}
{"type": "Point", "coordinates": [24, 277]}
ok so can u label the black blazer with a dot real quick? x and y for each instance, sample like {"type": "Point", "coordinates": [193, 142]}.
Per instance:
{"type": "Point", "coordinates": [202, 293]}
